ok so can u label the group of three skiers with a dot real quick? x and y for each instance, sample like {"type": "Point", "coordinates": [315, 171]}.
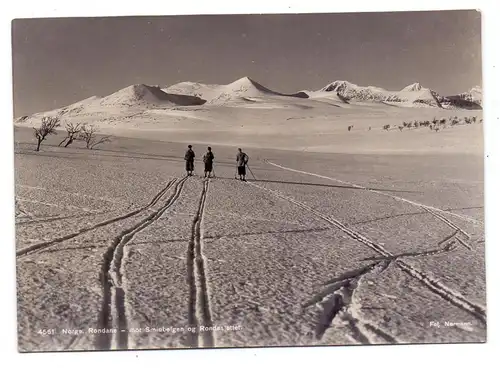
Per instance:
{"type": "Point", "coordinates": [208, 160]}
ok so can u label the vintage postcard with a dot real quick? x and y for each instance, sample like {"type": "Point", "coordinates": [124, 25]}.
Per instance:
{"type": "Point", "coordinates": [249, 180]}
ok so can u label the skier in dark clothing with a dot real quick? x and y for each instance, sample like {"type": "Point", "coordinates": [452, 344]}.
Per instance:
{"type": "Point", "coordinates": [189, 158]}
{"type": "Point", "coordinates": [208, 159]}
{"type": "Point", "coordinates": [241, 162]}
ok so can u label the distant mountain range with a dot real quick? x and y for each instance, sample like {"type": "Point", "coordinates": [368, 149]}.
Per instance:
{"type": "Point", "coordinates": [137, 98]}
{"type": "Point", "coordinates": [342, 91]}
{"type": "Point", "coordinates": [412, 95]}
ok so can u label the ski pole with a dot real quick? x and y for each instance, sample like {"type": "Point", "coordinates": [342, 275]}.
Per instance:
{"type": "Point", "coordinates": [251, 172]}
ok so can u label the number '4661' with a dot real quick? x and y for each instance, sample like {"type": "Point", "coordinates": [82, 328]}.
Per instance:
{"type": "Point", "coordinates": [46, 331]}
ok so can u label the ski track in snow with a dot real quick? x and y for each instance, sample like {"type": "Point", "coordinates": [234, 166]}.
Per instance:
{"type": "Point", "coordinates": [42, 220]}
{"type": "Point", "coordinates": [428, 208]}
{"type": "Point", "coordinates": [449, 246]}
{"type": "Point", "coordinates": [429, 282]}
{"type": "Point", "coordinates": [447, 221]}
{"type": "Point", "coordinates": [43, 245]}
{"type": "Point", "coordinates": [199, 312]}
{"type": "Point", "coordinates": [109, 200]}
{"type": "Point", "coordinates": [114, 312]}
{"type": "Point", "coordinates": [337, 301]}
{"type": "Point", "coordinates": [67, 206]}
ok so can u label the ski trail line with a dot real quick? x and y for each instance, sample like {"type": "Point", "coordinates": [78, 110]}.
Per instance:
{"type": "Point", "coordinates": [68, 206]}
{"type": "Point", "coordinates": [81, 195]}
{"type": "Point", "coordinates": [199, 313]}
{"type": "Point", "coordinates": [58, 218]}
{"type": "Point", "coordinates": [43, 245]}
{"type": "Point", "coordinates": [432, 284]}
{"type": "Point", "coordinates": [363, 331]}
{"type": "Point", "coordinates": [449, 243]}
{"type": "Point", "coordinates": [447, 222]}
{"type": "Point", "coordinates": [466, 218]}
{"type": "Point", "coordinates": [113, 314]}
{"type": "Point", "coordinates": [338, 301]}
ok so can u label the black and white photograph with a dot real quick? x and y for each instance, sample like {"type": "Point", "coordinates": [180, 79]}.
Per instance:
{"type": "Point", "coordinates": [249, 180]}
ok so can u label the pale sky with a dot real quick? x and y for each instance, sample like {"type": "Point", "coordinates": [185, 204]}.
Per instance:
{"type": "Point", "coordinates": [57, 62]}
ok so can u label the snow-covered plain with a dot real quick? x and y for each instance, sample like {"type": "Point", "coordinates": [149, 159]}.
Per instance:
{"type": "Point", "coordinates": [343, 237]}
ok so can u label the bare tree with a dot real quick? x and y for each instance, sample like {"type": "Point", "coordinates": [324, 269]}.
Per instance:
{"type": "Point", "coordinates": [72, 132]}
{"type": "Point", "coordinates": [89, 135]}
{"type": "Point", "coordinates": [48, 127]}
